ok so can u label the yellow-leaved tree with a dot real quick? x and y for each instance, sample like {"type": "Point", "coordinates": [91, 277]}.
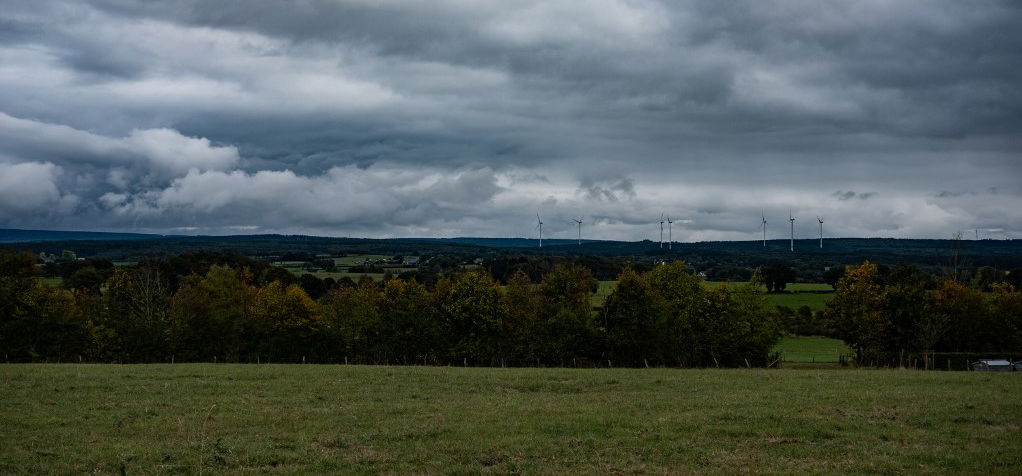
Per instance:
{"type": "Point", "coordinates": [289, 322]}
{"type": "Point", "coordinates": [856, 311]}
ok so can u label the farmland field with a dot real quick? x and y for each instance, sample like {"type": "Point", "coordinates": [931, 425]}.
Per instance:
{"type": "Point", "coordinates": [192, 418]}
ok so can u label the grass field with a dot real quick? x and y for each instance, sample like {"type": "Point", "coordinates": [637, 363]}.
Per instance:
{"type": "Point", "coordinates": [812, 349]}
{"type": "Point", "coordinates": [52, 282]}
{"type": "Point", "coordinates": [798, 295]}
{"type": "Point", "coordinates": [604, 290]}
{"type": "Point", "coordinates": [244, 419]}
{"type": "Point", "coordinates": [343, 265]}
{"type": "Point", "coordinates": [791, 287]}
{"type": "Point", "coordinates": [815, 301]}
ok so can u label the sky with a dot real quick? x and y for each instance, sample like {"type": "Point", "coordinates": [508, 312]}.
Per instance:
{"type": "Point", "coordinates": [383, 118]}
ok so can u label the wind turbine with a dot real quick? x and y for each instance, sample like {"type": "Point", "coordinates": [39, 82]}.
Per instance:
{"type": "Point", "coordinates": [763, 224]}
{"type": "Point", "coordinates": [579, 221]}
{"type": "Point", "coordinates": [661, 230]}
{"type": "Point", "coordinates": [792, 220]}
{"type": "Point", "coordinates": [821, 231]}
{"type": "Point", "coordinates": [540, 226]}
{"type": "Point", "coordinates": [670, 238]}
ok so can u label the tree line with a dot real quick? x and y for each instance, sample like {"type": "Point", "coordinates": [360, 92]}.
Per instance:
{"type": "Point", "coordinates": [218, 306]}
{"type": "Point", "coordinates": [228, 308]}
{"type": "Point", "coordinates": [891, 316]}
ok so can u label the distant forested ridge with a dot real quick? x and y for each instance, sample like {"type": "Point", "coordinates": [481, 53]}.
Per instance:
{"type": "Point", "coordinates": [724, 256]}
{"type": "Point", "coordinates": [8, 235]}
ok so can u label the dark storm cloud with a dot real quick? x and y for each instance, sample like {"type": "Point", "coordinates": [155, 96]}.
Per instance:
{"type": "Point", "coordinates": [209, 115]}
{"type": "Point", "coordinates": [688, 58]}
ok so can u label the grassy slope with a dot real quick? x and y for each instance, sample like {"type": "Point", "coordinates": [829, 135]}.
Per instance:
{"type": "Point", "coordinates": [316, 419]}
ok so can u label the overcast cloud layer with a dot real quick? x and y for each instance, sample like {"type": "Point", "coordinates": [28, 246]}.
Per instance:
{"type": "Point", "coordinates": [465, 118]}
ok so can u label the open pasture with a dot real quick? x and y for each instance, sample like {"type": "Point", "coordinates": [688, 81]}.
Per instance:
{"type": "Point", "coordinates": [233, 419]}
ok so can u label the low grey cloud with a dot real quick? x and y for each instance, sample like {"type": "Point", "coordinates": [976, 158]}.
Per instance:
{"type": "Point", "coordinates": [607, 190]}
{"type": "Point", "coordinates": [451, 118]}
{"type": "Point", "coordinates": [849, 195]}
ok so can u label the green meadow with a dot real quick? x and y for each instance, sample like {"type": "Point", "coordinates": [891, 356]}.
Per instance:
{"type": "Point", "coordinates": [311, 419]}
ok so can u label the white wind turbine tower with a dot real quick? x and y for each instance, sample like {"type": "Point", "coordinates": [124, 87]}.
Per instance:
{"type": "Point", "coordinates": [821, 231]}
{"type": "Point", "coordinates": [579, 221]}
{"type": "Point", "coordinates": [670, 238]}
{"type": "Point", "coordinates": [540, 226]}
{"type": "Point", "coordinates": [792, 220]}
{"type": "Point", "coordinates": [763, 225]}
{"type": "Point", "coordinates": [661, 230]}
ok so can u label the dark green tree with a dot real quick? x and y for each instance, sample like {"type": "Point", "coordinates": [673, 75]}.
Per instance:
{"type": "Point", "coordinates": [833, 274]}
{"type": "Point", "coordinates": [523, 303]}
{"type": "Point", "coordinates": [685, 297]}
{"type": "Point", "coordinates": [211, 315]}
{"type": "Point", "coordinates": [137, 303]}
{"type": "Point", "coordinates": [566, 326]}
{"type": "Point", "coordinates": [776, 277]}
{"type": "Point", "coordinates": [473, 309]}
{"type": "Point", "coordinates": [85, 280]}
{"type": "Point", "coordinates": [635, 321]}
{"type": "Point", "coordinates": [408, 330]}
